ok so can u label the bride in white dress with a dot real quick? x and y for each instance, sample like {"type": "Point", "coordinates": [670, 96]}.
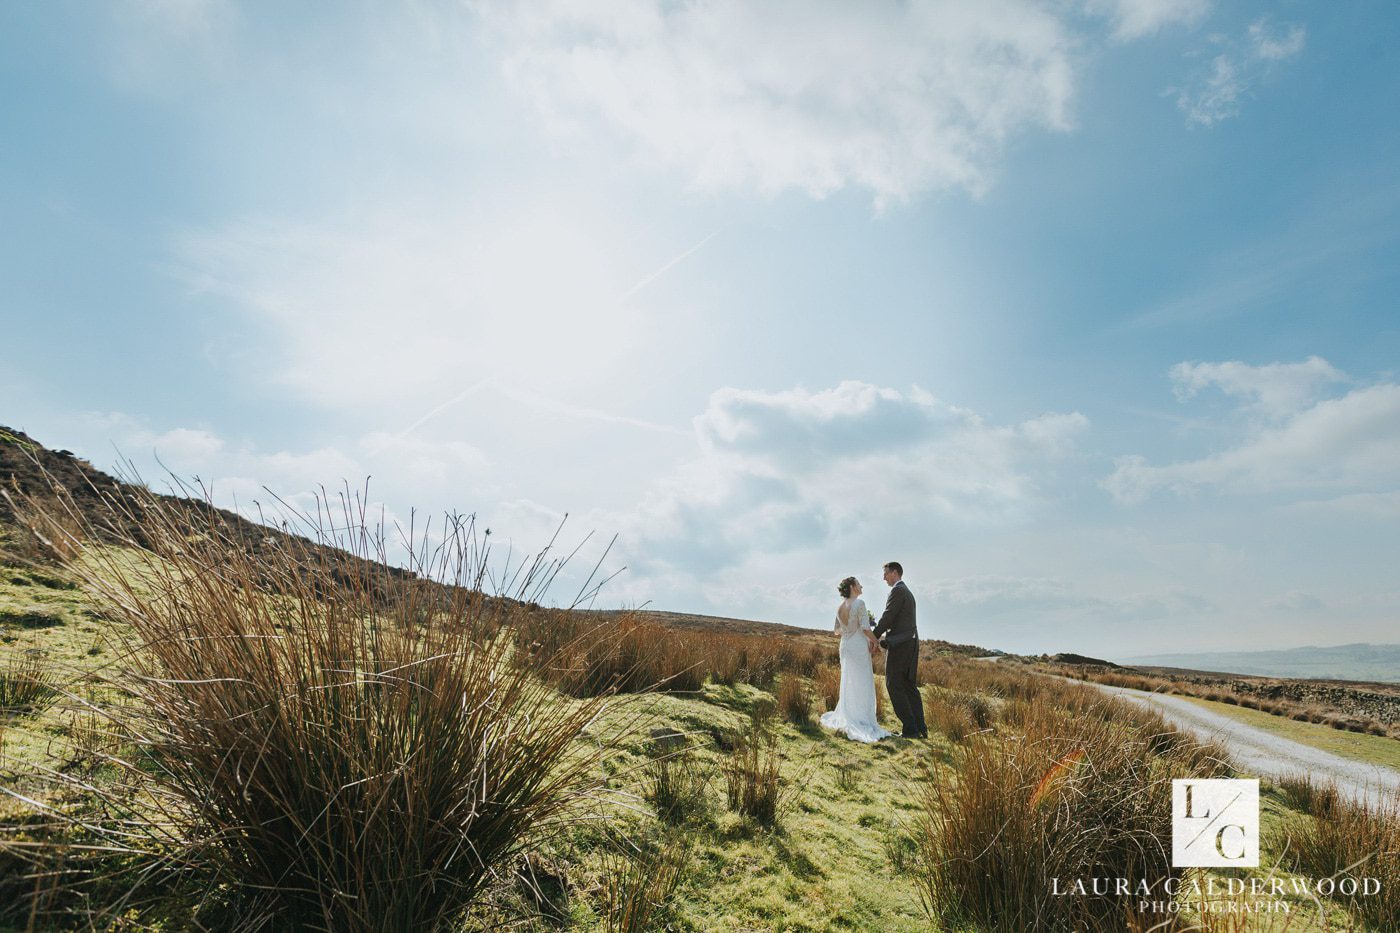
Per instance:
{"type": "Point", "coordinates": [855, 707]}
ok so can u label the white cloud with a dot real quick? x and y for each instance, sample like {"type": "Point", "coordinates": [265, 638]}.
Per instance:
{"type": "Point", "coordinates": [994, 594]}
{"type": "Point", "coordinates": [403, 471]}
{"type": "Point", "coordinates": [434, 461]}
{"type": "Point", "coordinates": [797, 424]}
{"type": "Point", "coordinates": [1346, 443]}
{"type": "Point", "coordinates": [1275, 390]}
{"type": "Point", "coordinates": [405, 482]}
{"type": "Point", "coordinates": [1035, 599]}
{"type": "Point", "coordinates": [894, 98]}
{"type": "Point", "coordinates": [1133, 19]}
{"type": "Point", "coordinates": [153, 41]}
{"type": "Point", "coordinates": [810, 598]}
{"type": "Point", "coordinates": [1216, 96]}
{"type": "Point", "coordinates": [855, 419]}
{"type": "Point", "coordinates": [1270, 47]}
{"type": "Point", "coordinates": [398, 307]}
{"type": "Point", "coordinates": [1296, 601]}
{"type": "Point", "coordinates": [185, 444]}
{"type": "Point", "coordinates": [1218, 92]}
{"type": "Point", "coordinates": [783, 471]}
{"type": "Point", "coordinates": [1376, 506]}
{"type": "Point", "coordinates": [405, 299]}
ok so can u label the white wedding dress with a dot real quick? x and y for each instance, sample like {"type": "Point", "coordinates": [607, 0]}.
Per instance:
{"type": "Point", "coordinates": [855, 707]}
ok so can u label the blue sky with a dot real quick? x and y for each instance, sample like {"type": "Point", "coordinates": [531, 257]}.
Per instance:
{"type": "Point", "coordinates": [1084, 311]}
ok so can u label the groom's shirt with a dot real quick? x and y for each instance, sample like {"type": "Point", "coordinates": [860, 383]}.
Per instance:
{"type": "Point", "coordinates": [898, 616]}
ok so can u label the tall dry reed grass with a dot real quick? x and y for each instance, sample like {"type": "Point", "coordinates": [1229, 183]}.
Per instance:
{"type": "Point", "coordinates": [826, 681]}
{"type": "Point", "coordinates": [677, 784]}
{"type": "Point", "coordinates": [1346, 838]}
{"type": "Point", "coordinates": [585, 654]}
{"type": "Point", "coordinates": [639, 882]}
{"type": "Point", "coordinates": [753, 774]}
{"type": "Point", "coordinates": [957, 713]}
{"type": "Point", "coordinates": [1071, 785]}
{"type": "Point", "coordinates": [344, 743]}
{"type": "Point", "coordinates": [795, 699]}
{"type": "Point", "coordinates": [28, 684]}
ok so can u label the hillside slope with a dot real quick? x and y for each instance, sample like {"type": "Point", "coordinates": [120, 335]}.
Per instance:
{"type": "Point", "coordinates": [28, 468]}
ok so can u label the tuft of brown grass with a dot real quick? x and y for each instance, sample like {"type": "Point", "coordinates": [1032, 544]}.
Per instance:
{"type": "Point", "coordinates": [1345, 838]}
{"type": "Point", "coordinates": [27, 685]}
{"type": "Point", "coordinates": [754, 785]}
{"type": "Point", "coordinates": [1309, 794]}
{"type": "Point", "coordinates": [345, 743]}
{"type": "Point", "coordinates": [945, 716]}
{"type": "Point", "coordinates": [53, 527]}
{"type": "Point", "coordinates": [638, 883]}
{"type": "Point", "coordinates": [957, 713]}
{"type": "Point", "coordinates": [587, 657]}
{"type": "Point", "coordinates": [827, 683]}
{"type": "Point", "coordinates": [677, 784]}
{"type": "Point", "coordinates": [1071, 783]}
{"type": "Point", "coordinates": [795, 699]}
{"type": "Point", "coordinates": [584, 655]}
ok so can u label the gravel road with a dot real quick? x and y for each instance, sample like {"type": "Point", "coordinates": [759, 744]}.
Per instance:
{"type": "Point", "coordinates": [1260, 753]}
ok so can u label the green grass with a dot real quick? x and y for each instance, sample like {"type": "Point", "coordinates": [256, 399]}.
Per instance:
{"type": "Point", "coordinates": [826, 866]}
{"type": "Point", "coordinates": [67, 635]}
{"type": "Point", "coordinates": [38, 610]}
{"type": "Point", "coordinates": [1358, 746]}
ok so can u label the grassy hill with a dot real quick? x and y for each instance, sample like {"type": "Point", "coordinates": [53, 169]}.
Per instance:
{"type": "Point", "coordinates": [820, 870]}
{"type": "Point", "coordinates": [29, 468]}
{"type": "Point", "coordinates": [712, 803]}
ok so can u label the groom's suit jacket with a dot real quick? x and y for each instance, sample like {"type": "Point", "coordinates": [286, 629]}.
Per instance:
{"type": "Point", "coordinates": [898, 617]}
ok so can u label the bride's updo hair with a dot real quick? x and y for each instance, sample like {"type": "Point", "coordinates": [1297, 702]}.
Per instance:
{"type": "Point", "coordinates": [845, 588]}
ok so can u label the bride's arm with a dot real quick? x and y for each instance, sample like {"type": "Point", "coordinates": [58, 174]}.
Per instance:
{"type": "Point", "coordinates": [863, 620]}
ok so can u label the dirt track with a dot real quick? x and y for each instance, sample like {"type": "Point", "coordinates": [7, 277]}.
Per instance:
{"type": "Point", "coordinates": [1265, 755]}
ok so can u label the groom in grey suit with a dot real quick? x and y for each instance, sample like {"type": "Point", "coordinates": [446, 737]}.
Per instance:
{"type": "Point", "coordinates": [900, 637]}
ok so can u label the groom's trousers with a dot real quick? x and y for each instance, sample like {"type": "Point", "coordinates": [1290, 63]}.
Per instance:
{"type": "Point", "coordinates": [902, 682]}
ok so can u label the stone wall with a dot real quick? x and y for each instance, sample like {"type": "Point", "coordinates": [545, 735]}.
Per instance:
{"type": "Point", "coordinates": [1352, 701]}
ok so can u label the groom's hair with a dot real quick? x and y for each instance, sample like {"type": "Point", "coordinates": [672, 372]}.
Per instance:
{"type": "Point", "coordinates": [894, 565]}
{"type": "Point", "coordinates": [844, 587]}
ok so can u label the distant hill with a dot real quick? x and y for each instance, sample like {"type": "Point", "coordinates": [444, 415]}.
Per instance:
{"type": "Point", "coordinates": [929, 647]}
{"type": "Point", "coordinates": [1360, 661]}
